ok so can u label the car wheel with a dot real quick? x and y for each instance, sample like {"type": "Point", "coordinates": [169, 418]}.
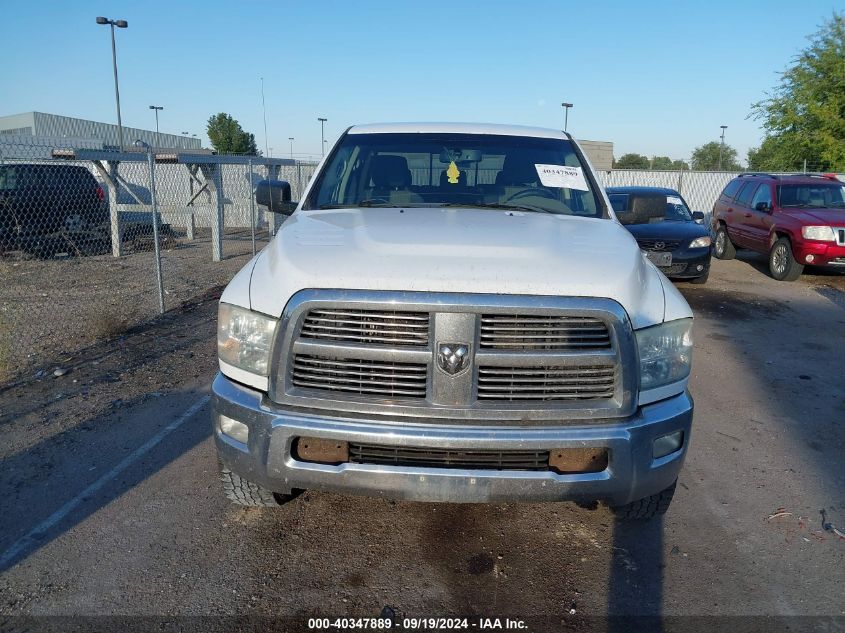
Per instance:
{"type": "Point", "coordinates": [648, 508]}
{"type": "Point", "coordinates": [700, 280]}
{"type": "Point", "coordinates": [723, 248]}
{"type": "Point", "coordinates": [782, 263]}
{"type": "Point", "coordinates": [243, 492]}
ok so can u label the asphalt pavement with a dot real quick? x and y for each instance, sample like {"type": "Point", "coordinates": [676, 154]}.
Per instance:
{"type": "Point", "coordinates": [111, 504]}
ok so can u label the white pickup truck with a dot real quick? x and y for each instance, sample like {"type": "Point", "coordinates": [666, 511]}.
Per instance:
{"type": "Point", "coordinates": [453, 313]}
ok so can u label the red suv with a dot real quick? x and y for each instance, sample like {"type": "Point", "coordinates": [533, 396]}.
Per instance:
{"type": "Point", "coordinates": [797, 220]}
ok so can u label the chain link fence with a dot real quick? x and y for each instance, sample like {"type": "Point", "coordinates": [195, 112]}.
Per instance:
{"type": "Point", "coordinates": [95, 242]}
{"type": "Point", "coordinates": [83, 256]}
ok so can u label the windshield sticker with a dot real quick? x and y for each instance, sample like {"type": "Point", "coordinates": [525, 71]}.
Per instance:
{"type": "Point", "coordinates": [562, 177]}
{"type": "Point", "coordinates": [453, 173]}
{"type": "Point", "coordinates": [674, 200]}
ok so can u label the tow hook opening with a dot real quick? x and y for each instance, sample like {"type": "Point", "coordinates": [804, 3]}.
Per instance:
{"type": "Point", "coordinates": [573, 461]}
{"type": "Point", "coordinates": [320, 450]}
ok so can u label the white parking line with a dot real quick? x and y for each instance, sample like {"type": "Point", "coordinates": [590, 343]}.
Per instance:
{"type": "Point", "coordinates": [33, 536]}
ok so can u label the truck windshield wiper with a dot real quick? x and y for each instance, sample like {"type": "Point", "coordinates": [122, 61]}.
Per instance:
{"type": "Point", "coordinates": [497, 205]}
{"type": "Point", "coordinates": [362, 203]}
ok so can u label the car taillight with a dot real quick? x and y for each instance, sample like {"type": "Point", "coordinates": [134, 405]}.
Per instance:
{"type": "Point", "coordinates": [100, 193]}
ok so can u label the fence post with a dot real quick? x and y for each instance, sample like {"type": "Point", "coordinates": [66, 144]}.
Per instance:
{"type": "Point", "coordinates": [252, 206]}
{"type": "Point", "coordinates": [114, 215]}
{"type": "Point", "coordinates": [218, 221]}
{"type": "Point", "coordinates": [154, 205]}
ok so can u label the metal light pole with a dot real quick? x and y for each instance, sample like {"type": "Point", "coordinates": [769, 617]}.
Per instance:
{"type": "Point", "coordinates": [291, 139]}
{"type": "Point", "coordinates": [722, 145]}
{"type": "Point", "coordinates": [270, 149]}
{"type": "Point", "coordinates": [566, 107]}
{"type": "Point", "coordinates": [121, 24]}
{"type": "Point", "coordinates": [156, 108]}
{"type": "Point", "coordinates": [322, 134]}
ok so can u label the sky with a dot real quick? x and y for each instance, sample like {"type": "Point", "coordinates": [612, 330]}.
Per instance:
{"type": "Point", "coordinates": [656, 78]}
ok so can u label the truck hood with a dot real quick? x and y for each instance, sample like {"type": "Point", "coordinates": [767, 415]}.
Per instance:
{"type": "Point", "coordinates": [459, 250]}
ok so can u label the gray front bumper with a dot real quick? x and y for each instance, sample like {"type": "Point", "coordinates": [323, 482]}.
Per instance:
{"type": "Point", "coordinates": [632, 473]}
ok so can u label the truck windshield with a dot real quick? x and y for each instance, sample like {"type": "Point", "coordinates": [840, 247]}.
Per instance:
{"type": "Point", "coordinates": [445, 169]}
{"type": "Point", "coordinates": [823, 196]}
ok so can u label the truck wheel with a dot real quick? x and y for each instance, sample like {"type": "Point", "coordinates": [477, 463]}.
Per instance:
{"type": "Point", "coordinates": [782, 263]}
{"type": "Point", "coordinates": [723, 247]}
{"type": "Point", "coordinates": [647, 508]}
{"type": "Point", "coordinates": [247, 493]}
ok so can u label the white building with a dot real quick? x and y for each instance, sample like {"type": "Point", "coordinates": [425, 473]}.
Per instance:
{"type": "Point", "coordinates": [37, 129]}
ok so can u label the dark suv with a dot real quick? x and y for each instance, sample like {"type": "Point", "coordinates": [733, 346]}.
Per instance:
{"type": "Point", "coordinates": [47, 206]}
{"type": "Point", "coordinates": [797, 220]}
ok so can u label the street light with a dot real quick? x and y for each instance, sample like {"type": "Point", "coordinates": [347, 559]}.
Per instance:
{"type": "Point", "coordinates": [722, 145]}
{"type": "Point", "coordinates": [121, 24]}
{"type": "Point", "coordinates": [322, 134]}
{"type": "Point", "coordinates": [291, 139]}
{"type": "Point", "coordinates": [156, 108]}
{"type": "Point", "coordinates": [566, 107]}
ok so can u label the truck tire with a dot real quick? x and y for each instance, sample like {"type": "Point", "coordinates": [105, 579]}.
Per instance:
{"type": "Point", "coordinates": [243, 492]}
{"type": "Point", "coordinates": [723, 248]}
{"type": "Point", "coordinates": [782, 263]}
{"type": "Point", "coordinates": [648, 508]}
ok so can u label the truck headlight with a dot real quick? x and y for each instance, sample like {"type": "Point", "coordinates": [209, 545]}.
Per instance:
{"type": "Point", "coordinates": [244, 338]}
{"type": "Point", "coordinates": [665, 353]}
{"type": "Point", "coordinates": [821, 233]}
{"type": "Point", "coordinates": [700, 242]}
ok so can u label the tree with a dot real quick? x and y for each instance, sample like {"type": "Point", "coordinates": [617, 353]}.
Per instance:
{"type": "Point", "coordinates": [804, 116]}
{"type": "Point", "coordinates": [706, 157]}
{"type": "Point", "coordinates": [666, 163]}
{"type": "Point", "coordinates": [631, 161]}
{"type": "Point", "coordinates": [228, 137]}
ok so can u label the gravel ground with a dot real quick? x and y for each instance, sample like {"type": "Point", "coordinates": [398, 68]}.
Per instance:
{"type": "Point", "coordinates": [49, 308]}
{"type": "Point", "coordinates": [743, 538]}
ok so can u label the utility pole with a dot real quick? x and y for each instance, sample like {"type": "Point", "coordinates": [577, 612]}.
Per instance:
{"type": "Point", "coordinates": [264, 109]}
{"type": "Point", "coordinates": [156, 108]}
{"type": "Point", "coordinates": [566, 107]}
{"type": "Point", "coordinates": [291, 139]}
{"type": "Point", "coordinates": [722, 145]}
{"type": "Point", "coordinates": [322, 134]}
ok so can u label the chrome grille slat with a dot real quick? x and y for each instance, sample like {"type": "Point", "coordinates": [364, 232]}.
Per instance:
{"type": "Point", "coordinates": [531, 332]}
{"type": "Point", "coordinates": [418, 316]}
{"type": "Point", "coordinates": [367, 326]}
{"type": "Point", "coordinates": [570, 383]}
{"type": "Point", "coordinates": [360, 376]}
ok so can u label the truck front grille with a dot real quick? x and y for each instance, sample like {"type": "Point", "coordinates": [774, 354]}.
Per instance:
{"type": "Point", "coordinates": [536, 332]}
{"type": "Point", "coordinates": [378, 378]}
{"type": "Point", "coordinates": [546, 383]}
{"type": "Point", "coordinates": [445, 458]}
{"type": "Point", "coordinates": [523, 360]}
{"type": "Point", "coordinates": [380, 327]}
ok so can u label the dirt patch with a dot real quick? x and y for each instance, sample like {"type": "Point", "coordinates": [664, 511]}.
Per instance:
{"type": "Point", "coordinates": [49, 308]}
{"type": "Point", "coordinates": [145, 362]}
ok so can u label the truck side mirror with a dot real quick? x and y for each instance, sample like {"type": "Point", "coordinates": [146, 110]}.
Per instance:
{"type": "Point", "coordinates": [698, 216]}
{"type": "Point", "coordinates": [762, 206]}
{"type": "Point", "coordinates": [275, 195]}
